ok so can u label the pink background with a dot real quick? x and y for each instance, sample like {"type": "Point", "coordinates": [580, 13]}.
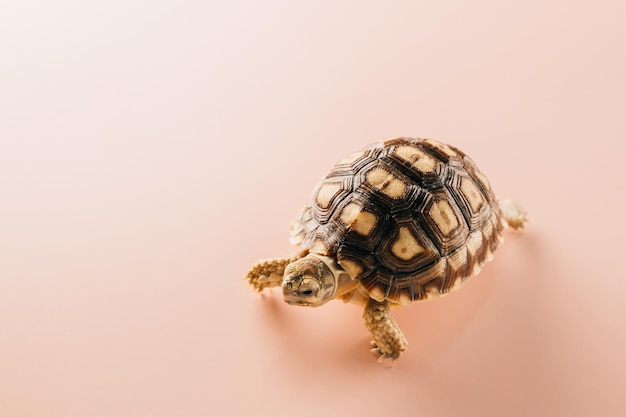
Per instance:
{"type": "Point", "coordinates": [151, 151]}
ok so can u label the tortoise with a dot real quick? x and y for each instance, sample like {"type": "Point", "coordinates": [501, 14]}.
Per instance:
{"type": "Point", "coordinates": [402, 220]}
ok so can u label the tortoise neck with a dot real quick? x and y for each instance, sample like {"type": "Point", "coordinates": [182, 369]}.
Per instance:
{"type": "Point", "coordinates": [343, 281]}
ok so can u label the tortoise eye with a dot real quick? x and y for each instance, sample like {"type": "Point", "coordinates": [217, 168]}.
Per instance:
{"type": "Point", "coordinates": [306, 292]}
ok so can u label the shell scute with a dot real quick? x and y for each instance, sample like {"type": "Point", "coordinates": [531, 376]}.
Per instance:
{"type": "Point", "coordinates": [405, 246]}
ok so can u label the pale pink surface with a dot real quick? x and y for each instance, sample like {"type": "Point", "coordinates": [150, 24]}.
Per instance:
{"type": "Point", "coordinates": [151, 151]}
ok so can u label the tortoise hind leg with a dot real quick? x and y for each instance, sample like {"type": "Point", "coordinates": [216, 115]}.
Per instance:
{"type": "Point", "coordinates": [269, 272]}
{"type": "Point", "coordinates": [388, 341]}
{"type": "Point", "coordinates": [513, 213]}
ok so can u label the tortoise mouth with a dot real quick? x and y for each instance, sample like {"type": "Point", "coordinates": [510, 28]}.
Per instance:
{"type": "Point", "coordinates": [298, 303]}
{"type": "Point", "coordinates": [296, 300]}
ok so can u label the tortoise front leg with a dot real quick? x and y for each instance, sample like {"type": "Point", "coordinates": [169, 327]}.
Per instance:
{"type": "Point", "coordinates": [388, 341]}
{"type": "Point", "coordinates": [269, 272]}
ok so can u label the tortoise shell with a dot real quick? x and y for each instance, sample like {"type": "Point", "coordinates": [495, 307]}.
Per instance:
{"type": "Point", "coordinates": [410, 219]}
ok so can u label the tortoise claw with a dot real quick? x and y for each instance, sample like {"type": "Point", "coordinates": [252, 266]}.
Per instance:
{"type": "Point", "coordinates": [377, 351]}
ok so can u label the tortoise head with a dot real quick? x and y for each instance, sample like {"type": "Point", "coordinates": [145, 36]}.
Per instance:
{"type": "Point", "coordinates": [308, 282]}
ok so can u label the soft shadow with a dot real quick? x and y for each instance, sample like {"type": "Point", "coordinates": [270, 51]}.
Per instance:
{"type": "Point", "coordinates": [513, 358]}
{"type": "Point", "coordinates": [432, 327]}
{"type": "Point", "coordinates": [334, 335]}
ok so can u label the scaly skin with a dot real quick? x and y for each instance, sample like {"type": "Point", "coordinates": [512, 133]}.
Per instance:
{"type": "Point", "coordinates": [513, 213]}
{"type": "Point", "coordinates": [269, 272]}
{"type": "Point", "coordinates": [388, 341]}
